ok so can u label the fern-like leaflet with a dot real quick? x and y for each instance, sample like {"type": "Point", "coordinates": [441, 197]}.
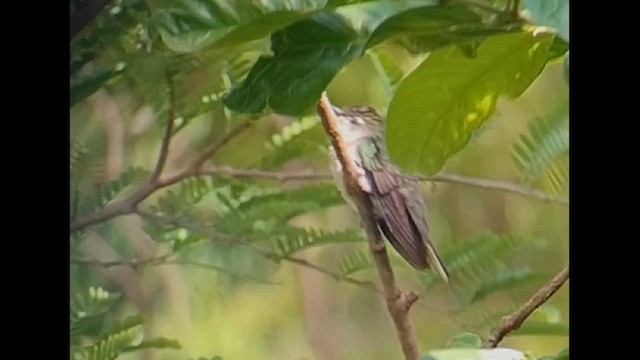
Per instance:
{"type": "Point", "coordinates": [121, 338]}
{"type": "Point", "coordinates": [544, 151]}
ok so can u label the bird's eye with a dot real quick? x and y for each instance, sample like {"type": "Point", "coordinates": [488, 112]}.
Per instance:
{"type": "Point", "coordinates": [356, 121]}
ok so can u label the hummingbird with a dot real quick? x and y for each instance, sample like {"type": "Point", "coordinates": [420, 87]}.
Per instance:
{"type": "Point", "coordinates": [397, 203]}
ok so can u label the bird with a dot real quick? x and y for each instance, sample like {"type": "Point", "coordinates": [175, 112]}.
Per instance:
{"type": "Point", "coordinates": [398, 206]}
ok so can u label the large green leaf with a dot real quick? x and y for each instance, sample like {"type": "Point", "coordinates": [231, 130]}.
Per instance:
{"type": "Point", "coordinates": [190, 25]}
{"type": "Point", "coordinates": [431, 27]}
{"type": "Point", "coordinates": [439, 105]}
{"type": "Point", "coordinates": [552, 13]}
{"type": "Point", "coordinates": [307, 55]}
{"type": "Point", "coordinates": [474, 354]}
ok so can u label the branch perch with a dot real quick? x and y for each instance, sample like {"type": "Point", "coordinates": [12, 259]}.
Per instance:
{"type": "Point", "coordinates": [515, 320]}
{"type": "Point", "coordinates": [398, 301]}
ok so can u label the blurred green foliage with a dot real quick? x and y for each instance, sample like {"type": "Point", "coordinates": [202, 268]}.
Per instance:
{"type": "Point", "coordinates": [244, 260]}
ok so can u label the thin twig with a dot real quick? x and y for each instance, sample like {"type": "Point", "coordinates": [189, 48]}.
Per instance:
{"type": "Point", "coordinates": [166, 139]}
{"type": "Point", "coordinates": [165, 260]}
{"type": "Point", "coordinates": [129, 205]}
{"type": "Point", "coordinates": [488, 184]}
{"type": "Point", "coordinates": [514, 321]}
{"type": "Point", "coordinates": [496, 185]}
{"type": "Point", "coordinates": [398, 301]}
{"type": "Point", "coordinates": [267, 254]}
{"type": "Point", "coordinates": [213, 148]}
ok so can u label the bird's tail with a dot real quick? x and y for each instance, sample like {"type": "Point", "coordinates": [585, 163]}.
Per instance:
{"type": "Point", "coordinates": [436, 263]}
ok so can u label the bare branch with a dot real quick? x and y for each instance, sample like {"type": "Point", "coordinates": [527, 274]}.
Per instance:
{"type": "Point", "coordinates": [495, 185]}
{"type": "Point", "coordinates": [130, 204]}
{"type": "Point", "coordinates": [515, 320]}
{"type": "Point", "coordinates": [166, 139]}
{"type": "Point", "coordinates": [442, 178]}
{"type": "Point", "coordinates": [398, 302]}
{"type": "Point", "coordinates": [213, 148]}
{"type": "Point", "coordinates": [165, 260]}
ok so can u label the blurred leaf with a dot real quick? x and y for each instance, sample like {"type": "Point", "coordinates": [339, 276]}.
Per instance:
{"type": "Point", "coordinates": [390, 74]}
{"type": "Point", "coordinates": [559, 47]}
{"type": "Point", "coordinates": [181, 198]}
{"type": "Point", "coordinates": [110, 345]}
{"type": "Point", "coordinates": [155, 343]}
{"type": "Point", "coordinates": [427, 28]}
{"type": "Point", "coordinates": [465, 340]}
{"type": "Point", "coordinates": [100, 195]}
{"type": "Point", "coordinates": [307, 55]}
{"type": "Point", "coordinates": [562, 355]}
{"type": "Point", "coordinates": [355, 261]}
{"type": "Point", "coordinates": [544, 151]}
{"type": "Point", "coordinates": [542, 328]}
{"type": "Point", "coordinates": [85, 85]}
{"type": "Point", "coordinates": [299, 138]}
{"type": "Point", "coordinates": [88, 312]}
{"type": "Point", "coordinates": [439, 105]}
{"type": "Point", "coordinates": [190, 25]}
{"type": "Point", "coordinates": [552, 13]}
{"type": "Point", "coordinates": [504, 279]}
{"type": "Point", "coordinates": [474, 261]}
{"type": "Point", "coordinates": [474, 354]}
{"type": "Point", "coordinates": [290, 240]}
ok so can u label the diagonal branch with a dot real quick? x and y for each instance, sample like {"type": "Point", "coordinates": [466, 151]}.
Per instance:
{"type": "Point", "coordinates": [129, 204]}
{"type": "Point", "coordinates": [166, 139]}
{"type": "Point", "coordinates": [398, 301]}
{"type": "Point", "coordinates": [515, 320]}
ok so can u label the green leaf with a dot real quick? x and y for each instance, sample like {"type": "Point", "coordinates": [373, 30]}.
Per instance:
{"type": "Point", "coordinates": [465, 340]}
{"type": "Point", "coordinates": [290, 240]}
{"type": "Point", "coordinates": [562, 355]}
{"type": "Point", "coordinates": [504, 279]}
{"type": "Point", "coordinates": [299, 138]}
{"type": "Point", "coordinates": [428, 28]}
{"type": "Point", "coordinates": [155, 343]}
{"type": "Point", "coordinates": [474, 354]}
{"type": "Point", "coordinates": [111, 344]}
{"type": "Point", "coordinates": [544, 151]}
{"type": "Point", "coordinates": [552, 13]}
{"type": "Point", "coordinates": [439, 105]}
{"type": "Point", "coordinates": [475, 260]}
{"type": "Point", "coordinates": [355, 261]}
{"type": "Point", "coordinates": [102, 194]}
{"type": "Point", "coordinates": [88, 312]}
{"type": "Point", "coordinates": [306, 56]}
{"type": "Point", "coordinates": [542, 328]}
{"type": "Point", "coordinates": [85, 85]}
{"type": "Point", "coordinates": [559, 47]}
{"type": "Point", "coordinates": [190, 25]}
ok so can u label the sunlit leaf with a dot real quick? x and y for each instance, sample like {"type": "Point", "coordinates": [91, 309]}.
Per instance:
{"type": "Point", "coordinates": [437, 108]}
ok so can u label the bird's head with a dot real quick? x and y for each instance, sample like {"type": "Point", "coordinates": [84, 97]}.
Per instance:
{"type": "Point", "coordinates": [359, 122]}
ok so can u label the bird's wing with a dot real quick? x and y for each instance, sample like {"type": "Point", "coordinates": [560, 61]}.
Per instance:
{"type": "Point", "coordinates": [401, 218]}
{"type": "Point", "coordinates": [390, 205]}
